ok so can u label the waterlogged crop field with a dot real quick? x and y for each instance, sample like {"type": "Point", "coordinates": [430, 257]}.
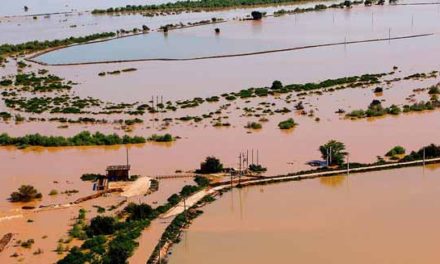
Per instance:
{"type": "Point", "coordinates": [162, 89]}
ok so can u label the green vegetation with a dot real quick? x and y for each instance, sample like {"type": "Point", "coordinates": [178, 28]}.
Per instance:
{"type": "Point", "coordinates": [202, 181]}
{"type": "Point", "coordinates": [53, 192]}
{"type": "Point", "coordinates": [397, 150]}
{"type": "Point", "coordinates": [253, 125]}
{"type": "Point", "coordinates": [101, 225]}
{"type": "Point", "coordinates": [257, 168]}
{"type": "Point", "coordinates": [33, 46]}
{"type": "Point", "coordinates": [25, 193]}
{"type": "Point", "coordinates": [287, 124]}
{"type": "Point", "coordinates": [434, 90]}
{"type": "Point", "coordinates": [317, 7]}
{"type": "Point", "coordinates": [78, 229]}
{"type": "Point", "coordinates": [82, 139]}
{"type": "Point", "coordinates": [113, 239]}
{"type": "Point", "coordinates": [190, 6]}
{"type": "Point", "coordinates": [161, 138]}
{"type": "Point", "coordinates": [333, 152]}
{"type": "Point", "coordinates": [90, 176]}
{"type": "Point", "coordinates": [210, 165]}
{"type": "Point", "coordinates": [376, 109]}
{"type": "Point", "coordinates": [34, 82]}
{"type": "Point", "coordinates": [429, 152]}
{"type": "Point", "coordinates": [172, 232]}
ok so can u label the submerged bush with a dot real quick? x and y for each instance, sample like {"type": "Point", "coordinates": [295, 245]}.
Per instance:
{"type": "Point", "coordinates": [287, 124]}
{"type": "Point", "coordinates": [25, 193]}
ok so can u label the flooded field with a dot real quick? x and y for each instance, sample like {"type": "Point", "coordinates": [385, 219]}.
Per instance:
{"type": "Point", "coordinates": [385, 217]}
{"type": "Point", "coordinates": [237, 37]}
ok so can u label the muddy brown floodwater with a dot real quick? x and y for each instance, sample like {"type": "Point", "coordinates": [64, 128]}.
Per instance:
{"type": "Point", "coordinates": [377, 217]}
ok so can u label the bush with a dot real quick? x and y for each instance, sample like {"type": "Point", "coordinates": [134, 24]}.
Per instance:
{"type": "Point", "coordinates": [75, 256]}
{"type": "Point", "coordinates": [161, 138]}
{"type": "Point", "coordinates": [202, 181]}
{"type": "Point", "coordinates": [397, 150]}
{"type": "Point", "coordinates": [253, 125]}
{"type": "Point", "coordinates": [25, 193]}
{"type": "Point", "coordinates": [187, 190]}
{"type": "Point", "coordinates": [287, 124]}
{"type": "Point", "coordinates": [139, 212]}
{"type": "Point", "coordinates": [95, 244]}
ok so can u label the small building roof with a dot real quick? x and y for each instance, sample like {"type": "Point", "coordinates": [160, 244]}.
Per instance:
{"type": "Point", "coordinates": [118, 167]}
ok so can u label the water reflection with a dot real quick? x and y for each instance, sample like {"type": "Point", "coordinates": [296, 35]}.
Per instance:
{"type": "Point", "coordinates": [333, 181]}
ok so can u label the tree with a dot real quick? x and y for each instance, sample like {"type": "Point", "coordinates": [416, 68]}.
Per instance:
{"type": "Point", "coordinates": [276, 85]}
{"type": "Point", "coordinates": [334, 152]}
{"type": "Point", "coordinates": [211, 165]}
{"type": "Point", "coordinates": [202, 181]}
{"type": "Point", "coordinates": [139, 212]}
{"type": "Point", "coordinates": [25, 193]}
{"type": "Point", "coordinates": [102, 225]}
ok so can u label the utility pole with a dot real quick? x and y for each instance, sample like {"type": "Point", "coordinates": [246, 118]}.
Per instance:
{"type": "Point", "coordinates": [239, 170]}
{"type": "Point", "coordinates": [412, 21]}
{"type": "Point", "coordinates": [252, 156]}
{"type": "Point", "coordinates": [258, 162]}
{"type": "Point", "coordinates": [424, 156]}
{"type": "Point", "coordinates": [389, 34]}
{"type": "Point", "coordinates": [348, 164]}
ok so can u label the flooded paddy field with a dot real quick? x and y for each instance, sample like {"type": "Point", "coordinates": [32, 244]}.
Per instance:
{"type": "Point", "coordinates": [387, 217]}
